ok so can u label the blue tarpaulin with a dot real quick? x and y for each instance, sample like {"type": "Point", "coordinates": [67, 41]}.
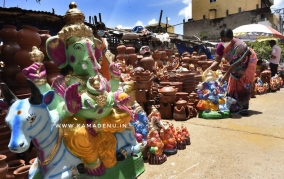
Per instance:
{"type": "Point", "coordinates": [197, 48]}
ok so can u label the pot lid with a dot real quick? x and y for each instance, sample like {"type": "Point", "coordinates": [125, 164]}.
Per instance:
{"type": "Point", "coordinates": [167, 88]}
{"type": "Point", "coordinates": [181, 101]}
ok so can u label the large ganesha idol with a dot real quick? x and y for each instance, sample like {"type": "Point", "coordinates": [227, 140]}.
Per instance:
{"type": "Point", "coordinates": [93, 118]}
{"type": "Point", "coordinates": [213, 103]}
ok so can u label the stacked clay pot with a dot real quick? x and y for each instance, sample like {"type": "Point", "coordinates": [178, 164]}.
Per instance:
{"type": "Point", "coordinates": [177, 85]}
{"type": "Point", "coordinates": [12, 166]}
{"type": "Point", "coordinates": [8, 50]}
{"type": "Point", "coordinates": [143, 83]}
{"type": "Point", "coordinates": [121, 55]}
{"type": "Point", "coordinates": [167, 96]}
{"type": "Point", "coordinates": [52, 70]}
{"type": "Point", "coordinates": [185, 61]}
{"type": "Point", "coordinates": [27, 37]}
{"type": "Point", "coordinates": [3, 166]}
{"type": "Point", "coordinates": [22, 172]}
{"type": "Point", "coordinates": [132, 57]}
{"type": "Point", "coordinates": [188, 80]}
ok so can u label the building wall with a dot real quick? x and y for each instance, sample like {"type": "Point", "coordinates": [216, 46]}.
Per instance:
{"type": "Point", "coordinates": [200, 8]}
{"type": "Point", "coordinates": [209, 29]}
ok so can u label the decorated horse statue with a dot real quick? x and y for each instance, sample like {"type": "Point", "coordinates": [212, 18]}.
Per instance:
{"type": "Point", "coordinates": [31, 120]}
{"type": "Point", "coordinates": [83, 97]}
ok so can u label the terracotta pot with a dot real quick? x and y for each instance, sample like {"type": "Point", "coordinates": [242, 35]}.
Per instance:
{"type": "Point", "coordinates": [52, 71]}
{"type": "Point", "coordinates": [180, 114]}
{"type": "Point", "coordinates": [2, 117]}
{"type": "Point", "coordinates": [141, 96]}
{"type": "Point", "coordinates": [185, 60]}
{"type": "Point", "coordinates": [8, 50]}
{"type": "Point", "coordinates": [22, 172]}
{"type": "Point", "coordinates": [28, 36]}
{"type": "Point", "coordinates": [121, 48]}
{"type": "Point", "coordinates": [122, 57]}
{"type": "Point", "coordinates": [44, 35]}
{"type": "Point", "coordinates": [163, 54]}
{"type": "Point", "coordinates": [169, 52]}
{"type": "Point", "coordinates": [147, 63]}
{"type": "Point", "coordinates": [141, 72]}
{"type": "Point", "coordinates": [130, 50]}
{"type": "Point", "coordinates": [166, 99]}
{"type": "Point", "coordinates": [182, 95]}
{"type": "Point", "coordinates": [166, 111]}
{"type": "Point", "coordinates": [32, 161]}
{"type": "Point", "coordinates": [14, 165]}
{"type": "Point", "coordinates": [142, 78]}
{"type": "Point", "coordinates": [132, 60]}
{"type": "Point", "coordinates": [145, 86]}
{"type": "Point", "coordinates": [157, 58]}
{"type": "Point", "coordinates": [3, 166]}
{"type": "Point", "coordinates": [181, 103]}
{"type": "Point", "coordinates": [167, 91]}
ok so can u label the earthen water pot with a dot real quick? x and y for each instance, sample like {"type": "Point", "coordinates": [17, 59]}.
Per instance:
{"type": "Point", "coordinates": [132, 59]}
{"type": "Point", "coordinates": [166, 99]}
{"type": "Point", "coordinates": [181, 103]}
{"type": "Point", "coordinates": [179, 113]}
{"type": "Point", "coordinates": [163, 54]}
{"type": "Point", "coordinates": [129, 50]}
{"type": "Point", "coordinates": [181, 95]}
{"type": "Point", "coordinates": [169, 52]}
{"type": "Point", "coordinates": [121, 48]}
{"type": "Point", "coordinates": [12, 166]}
{"type": "Point", "coordinates": [185, 59]}
{"type": "Point", "coordinates": [3, 166]}
{"type": "Point", "coordinates": [139, 71]}
{"type": "Point", "coordinates": [157, 57]}
{"type": "Point", "coordinates": [22, 172]}
{"type": "Point", "coordinates": [148, 63]}
{"type": "Point", "coordinates": [168, 90]}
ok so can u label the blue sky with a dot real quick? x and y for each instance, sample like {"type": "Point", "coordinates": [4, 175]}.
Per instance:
{"type": "Point", "coordinates": [122, 13]}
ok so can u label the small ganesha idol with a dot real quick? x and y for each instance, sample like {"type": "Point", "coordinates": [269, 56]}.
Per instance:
{"type": "Point", "coordinates": [169, 140]}
{"type": "Point", "coordinates": [156, 145]}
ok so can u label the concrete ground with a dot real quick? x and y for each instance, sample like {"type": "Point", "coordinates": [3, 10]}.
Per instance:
{"type": "Point", "coordinates": [235, 148]}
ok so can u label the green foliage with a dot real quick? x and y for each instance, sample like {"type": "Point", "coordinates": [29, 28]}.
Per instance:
{"type": "Point", "coordinates": [263, 49]}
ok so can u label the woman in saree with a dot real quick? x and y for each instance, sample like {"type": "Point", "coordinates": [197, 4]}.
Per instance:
{"type": "Point", "coordinates": [240, 75]}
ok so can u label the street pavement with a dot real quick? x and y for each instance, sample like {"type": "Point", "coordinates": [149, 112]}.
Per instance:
{"type": "Point", "coordinates": [240, 147]}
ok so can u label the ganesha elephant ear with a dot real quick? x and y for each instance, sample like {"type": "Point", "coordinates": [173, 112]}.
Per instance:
{"type": "Point", "coordinates": [56, 51]}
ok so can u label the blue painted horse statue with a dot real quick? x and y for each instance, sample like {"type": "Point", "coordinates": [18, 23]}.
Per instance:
{"type": "Point", "coordinates": [30, 120]}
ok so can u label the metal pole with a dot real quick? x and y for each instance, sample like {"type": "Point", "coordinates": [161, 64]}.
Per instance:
{"type": "Point", "coordinates": [4, 3]}
{"type": "Point", "coordinates": [96, 21]}
{"type": "Point", "coordinates": [167, 24]}
{"type": "Point", "coordinates": [100, 17]}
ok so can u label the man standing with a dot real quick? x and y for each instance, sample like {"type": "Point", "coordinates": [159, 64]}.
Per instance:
{"type": "Point", "coordinates": [275, 57]}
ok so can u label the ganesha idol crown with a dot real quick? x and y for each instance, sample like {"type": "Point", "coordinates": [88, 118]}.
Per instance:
{"type": "Point", "coordinates": [75, 26]}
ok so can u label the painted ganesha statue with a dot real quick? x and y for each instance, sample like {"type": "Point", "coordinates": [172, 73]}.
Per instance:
{"type": "Point", "coordinates": [213, 103]}
{"type": "Point", "coordinates": [92, 120]}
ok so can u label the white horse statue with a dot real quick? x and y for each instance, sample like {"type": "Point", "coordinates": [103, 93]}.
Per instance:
{"type": "Point", "coordinates": [30, 120]}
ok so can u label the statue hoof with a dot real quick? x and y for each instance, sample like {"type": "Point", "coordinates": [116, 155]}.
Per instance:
{"type": "Point", "coordinates": [120, 156]}
{"type": "Point", "coordinates": [81, 168]}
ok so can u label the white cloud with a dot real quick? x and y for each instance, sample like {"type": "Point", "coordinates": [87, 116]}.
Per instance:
{"type": "Point", "coordinates": [153, 21]}
{"type": "Point", "coordinates": [277, 3]}
{"type": "Point", "coordinates": [139, 23]}
{"type": "Point", "coordinates": [187, 11]}
{"type": "Point", "coordinates": [123, 27]}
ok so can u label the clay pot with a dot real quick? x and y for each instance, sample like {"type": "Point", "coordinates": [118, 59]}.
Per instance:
{"type": "Point", "coordinates": [163, 54]}
{"type": "Point", "coordinates": [2, 117]}
{"type": "Point", "coordinates": [179, 114]}
{"type": "Point", "coordinates": [140, 72]}
{"type": "Point", "coordinates": [32, 161]}
{"type": "Point", "coordinates": [181, 103]}
{"type": "Point", "coordinates": [145, 86]}
{"type": "Point", "coordinates": [139, 78]}
{"type": "Point", "coordinates": [130, 50]}
{"type": "Point", "coordinates": [177, 85]}
{"type": "Point", "coordinates": [167, 91]}
{"type": "Point", "coordinates": [167, 99]}
{"type": "Point", "coordinates": [8, 50]}
{"type": "Point", "coordinates": [166, 111]}
{"type": "Point", "coordinates": [148, 63]}
{"type": "Point", "coordinates": [3, 166]}
{"type": "Point", "coordinates": [52, 71]}
{"type": "Point", "coordinates": [28, 36]}
{"type": "Point", "coordinates": [22, 172]}
{"type": "Point", "coordinates": [14, 165]}
{"type": "Point", "coordinates": [121, 48]}
{"type": "Point", "coordinates": [44, 35]}
{"type": "Point", "coordinates": [132, 59]}
{"type": "Point", "coordinates": [182, 95]}
{"type": "Point", "coordinates": [157, 57]}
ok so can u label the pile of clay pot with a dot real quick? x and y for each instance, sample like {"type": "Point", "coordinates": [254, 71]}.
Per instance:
{"type": "Point", "coordinates": [174, 103]}
{"type": "Point", "coordinates": [14, 57]}
{"type": "Point", "coordinates": [264, 83]}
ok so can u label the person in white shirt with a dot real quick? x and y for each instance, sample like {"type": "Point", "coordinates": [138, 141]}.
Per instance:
{"type": "Point", "coordinates": [275, 57]}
